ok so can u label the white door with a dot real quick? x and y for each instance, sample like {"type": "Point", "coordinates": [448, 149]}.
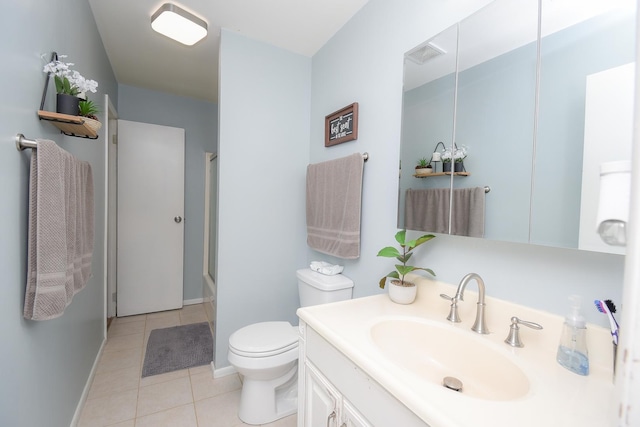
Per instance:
{"type": "Point", "coordinates": [150, 218]}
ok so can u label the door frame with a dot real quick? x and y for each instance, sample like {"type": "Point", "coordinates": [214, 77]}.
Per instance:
{"type": "Point", "coordinates": [110, 194]}
{"type": "Point", "coordinates": [208, 158]}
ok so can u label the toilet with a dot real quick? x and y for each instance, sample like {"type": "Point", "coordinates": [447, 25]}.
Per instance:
{"type": "Point", "coordinates": [266, 353]}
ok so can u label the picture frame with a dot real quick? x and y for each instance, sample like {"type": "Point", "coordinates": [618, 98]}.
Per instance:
{"type": "Point", "coordinates": [341, 126]}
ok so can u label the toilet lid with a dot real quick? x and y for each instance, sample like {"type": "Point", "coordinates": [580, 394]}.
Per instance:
{"type": "Point", "coordinates": [264, 339]}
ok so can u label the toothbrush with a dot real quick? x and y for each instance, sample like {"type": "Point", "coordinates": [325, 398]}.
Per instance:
{"type": "Point", "coordinates": [603, 308]}
{"type": "Point", "coordinates": [612, 309]}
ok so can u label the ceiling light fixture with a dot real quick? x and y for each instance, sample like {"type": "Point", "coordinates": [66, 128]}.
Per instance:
{"type": "Point", "coordinates": [178, 24]}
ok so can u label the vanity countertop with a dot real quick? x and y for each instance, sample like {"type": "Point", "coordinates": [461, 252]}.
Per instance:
{"type": "Point", "coordinates": [556, 396]}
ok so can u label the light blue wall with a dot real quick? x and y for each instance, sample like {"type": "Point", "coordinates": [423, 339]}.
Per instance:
{"type": "Point", "coordinates": [199, 120]}
{"type": "Point", "coordinates": [364, 63]}
{"type": "Point", "coordinates": [263, 154]}
{"type": "Point", "coordinates": [45, 365]}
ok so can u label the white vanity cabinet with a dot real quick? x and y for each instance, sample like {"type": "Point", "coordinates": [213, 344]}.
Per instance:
{"type": "Point", "coordinates": [334, 392]}
{"type": "Point", "coordinates": [324, 405]}
{"type": "Point", "coordinates": [351, 416]}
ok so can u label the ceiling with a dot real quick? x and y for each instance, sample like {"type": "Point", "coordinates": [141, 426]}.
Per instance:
{"type": "Point", "coordinates": [143, 58]}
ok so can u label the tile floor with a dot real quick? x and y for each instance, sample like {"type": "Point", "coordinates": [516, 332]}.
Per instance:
{"type": "Point", "coordinates": [188, 398]}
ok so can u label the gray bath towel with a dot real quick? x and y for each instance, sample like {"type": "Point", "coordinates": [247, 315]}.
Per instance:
{"type": "Point", "coordinates": [428, 210]}
{"type": "Point", "coordinates": [61, 232]}
{"type": "Point", "coordinates": [334, 203]}
{"type": "Point", "coordinates": [468, 212]}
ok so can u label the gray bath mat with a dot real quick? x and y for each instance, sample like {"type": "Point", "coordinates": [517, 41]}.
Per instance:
{"type": "Point", "coordinates": [179, 347]}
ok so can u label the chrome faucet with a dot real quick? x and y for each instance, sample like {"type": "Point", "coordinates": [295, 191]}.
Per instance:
{"type": "Point", "coordinates": [480, 325]}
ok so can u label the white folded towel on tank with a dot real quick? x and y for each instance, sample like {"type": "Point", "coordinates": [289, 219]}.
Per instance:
{"type": "Point", "coordinates": [326, 268]}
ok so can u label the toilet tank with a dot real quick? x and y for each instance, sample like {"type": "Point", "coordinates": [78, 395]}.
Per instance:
{"type": "Point", "coordinates": [316, 288]}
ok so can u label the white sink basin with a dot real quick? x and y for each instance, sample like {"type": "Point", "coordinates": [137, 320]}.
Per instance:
{"type": "Point", "coordinates": [433, 351]}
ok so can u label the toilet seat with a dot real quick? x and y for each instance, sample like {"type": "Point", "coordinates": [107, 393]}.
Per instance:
{"type": "Point", "coordinates": [264, 339]}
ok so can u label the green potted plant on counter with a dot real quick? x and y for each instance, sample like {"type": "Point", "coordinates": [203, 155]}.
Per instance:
{"type": "Point", "coordinates": [402, 291]}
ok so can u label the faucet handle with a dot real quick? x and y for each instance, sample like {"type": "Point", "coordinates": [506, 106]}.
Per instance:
{"type": "Point", "coordinates": [453, 313]}
{"type": "Point", "coordinates": [513, 339]}
{"type": "Point", "coordinates": [447, 297]}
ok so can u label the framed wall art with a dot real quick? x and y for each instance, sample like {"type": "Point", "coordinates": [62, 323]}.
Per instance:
{"type": "Point", "coordinates": [341, 126]}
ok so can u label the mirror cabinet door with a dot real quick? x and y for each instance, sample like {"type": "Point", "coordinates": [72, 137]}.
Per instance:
{"type": "Point", "coordinates": [581, 43]}
{"type": "Point", "coordinates": [495, 115]}
{"type": "Point", "coordinates": [538, 104]}
{"type": "Point", "coordinates": [427, 119]}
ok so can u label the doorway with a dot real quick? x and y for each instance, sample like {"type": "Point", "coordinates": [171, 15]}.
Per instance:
{"type": "Point", "coordinates": [150, 212]}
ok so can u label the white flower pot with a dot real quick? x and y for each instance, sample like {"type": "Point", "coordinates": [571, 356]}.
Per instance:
{"type": "Point", "coordinates": [402, 294]}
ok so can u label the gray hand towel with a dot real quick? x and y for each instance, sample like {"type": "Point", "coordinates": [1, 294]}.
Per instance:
{"type": "Point", "coordinates": [334, 203]}
{"type": "Point", "coordinates": [60, 239]}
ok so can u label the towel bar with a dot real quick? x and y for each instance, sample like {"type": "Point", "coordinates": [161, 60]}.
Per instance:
{"type": "Point", "coordinates": [22, 142]}
{"type": "Point", "coordinates": [487, 188]}
{"type": "Point", "coordinates": [365, 156]}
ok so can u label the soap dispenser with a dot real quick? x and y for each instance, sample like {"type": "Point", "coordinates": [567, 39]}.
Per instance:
{"type": "Point", "coordinates": [572, 351]}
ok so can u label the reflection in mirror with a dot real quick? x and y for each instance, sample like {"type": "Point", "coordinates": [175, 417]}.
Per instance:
{"type": "Point", "coordinates": [495, 114]}
{"type": "Point", "coordinates": [576, 55]}
{"type": "Point", "coordinates": [427, 120]}
{"type": "Point", "coordinates": [538, 148]}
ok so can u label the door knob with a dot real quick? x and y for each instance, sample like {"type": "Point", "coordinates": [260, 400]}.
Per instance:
{"type": "Point", "coordinates": [178, 219]}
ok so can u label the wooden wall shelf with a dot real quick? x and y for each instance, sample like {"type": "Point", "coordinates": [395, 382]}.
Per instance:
{"type": "Point", "coordinates": [68, 125]}
{"type": "Point", "coordinates": [429, 175]}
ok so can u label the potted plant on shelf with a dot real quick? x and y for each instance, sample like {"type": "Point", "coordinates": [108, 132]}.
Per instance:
{"type": "Point", "coordinates": [69, 85]}
{"type": "Point", "coordinates": [402, 291]}
{"type": "Point", "coordinates": [446, 157]}
{"type": "Point", "coordinates": [459, 154]}
{"type": "Point", "coordinates": [87, 109]}
{"type": "Point", "coordinates": [455, 156]}
{"type": "Point", "coordinates": [423, 167]}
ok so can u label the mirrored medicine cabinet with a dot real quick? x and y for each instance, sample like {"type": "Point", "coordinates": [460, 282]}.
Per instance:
{"type": "Point", "coordinates": [527, 88]}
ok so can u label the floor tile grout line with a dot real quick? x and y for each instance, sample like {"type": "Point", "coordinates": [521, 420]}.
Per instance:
{"type": "Point", "coordinates": [193, 399]}
{"type": "Point", "coordinates": [143, 351]}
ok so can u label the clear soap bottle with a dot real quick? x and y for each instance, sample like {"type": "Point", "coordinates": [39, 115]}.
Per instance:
{"type": "Point", "coordinates": [572, 350]}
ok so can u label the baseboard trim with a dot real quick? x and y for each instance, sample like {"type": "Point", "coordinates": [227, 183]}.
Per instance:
{"type": "Point", "coordinates": [85, 392]}
{"type": "Point", "coordinates": [193, 301]}
{"type": "Point", "coordinates": [223, 372]}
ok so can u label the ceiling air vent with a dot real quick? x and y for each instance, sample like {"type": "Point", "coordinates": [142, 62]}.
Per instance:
{"type": "Point", "coordinates": [424, 53]}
